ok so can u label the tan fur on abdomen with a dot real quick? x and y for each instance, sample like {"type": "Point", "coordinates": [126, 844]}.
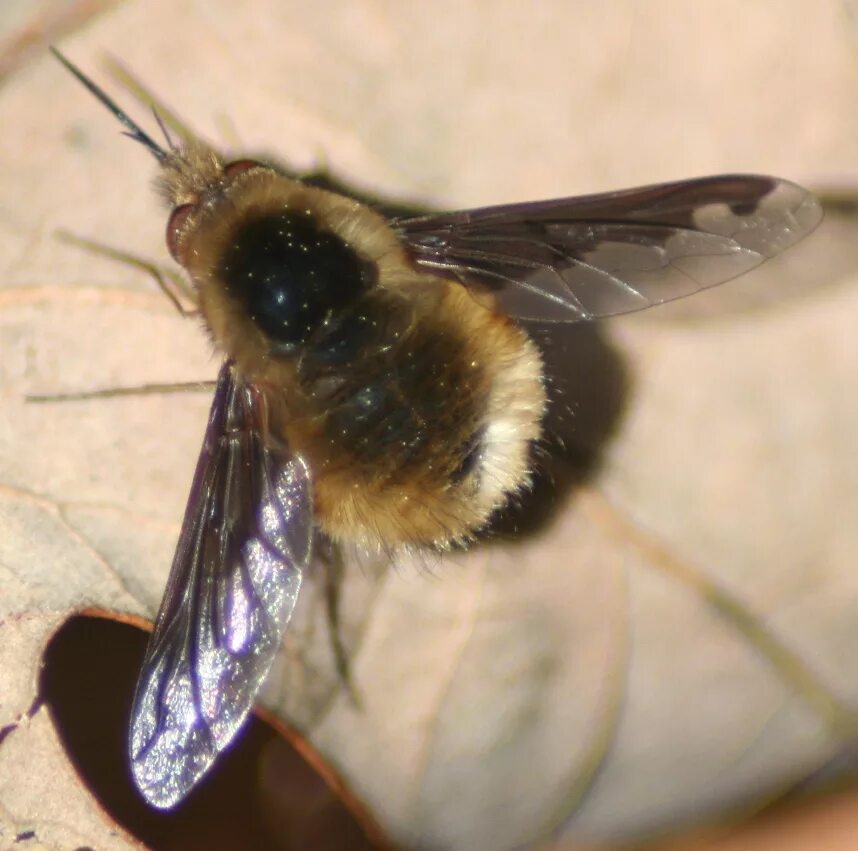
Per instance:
{"type": "Point", "coordinates": [484, 374]}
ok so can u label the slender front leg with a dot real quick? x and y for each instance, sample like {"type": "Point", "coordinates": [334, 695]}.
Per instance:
{"type": "Point", "coordinates": [171, 283]}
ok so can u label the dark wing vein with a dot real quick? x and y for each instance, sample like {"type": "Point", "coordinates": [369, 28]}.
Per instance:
{"type": "Point", "coordinates": [244, 544]}
{"type": "Point", "coordinates": [581, 258]}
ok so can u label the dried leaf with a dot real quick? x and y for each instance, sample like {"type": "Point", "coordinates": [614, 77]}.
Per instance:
{"type": "Point", "coordinates": [675, 639]}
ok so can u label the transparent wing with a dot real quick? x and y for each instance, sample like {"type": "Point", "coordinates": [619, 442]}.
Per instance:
{"type": "Point", "coordinates": [244, 544]}
{"type": "Point", "coordinates": [600, 255]}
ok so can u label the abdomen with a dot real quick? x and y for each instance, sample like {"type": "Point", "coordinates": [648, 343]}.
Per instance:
{"type": "Point", "coordinates": [418, 418]}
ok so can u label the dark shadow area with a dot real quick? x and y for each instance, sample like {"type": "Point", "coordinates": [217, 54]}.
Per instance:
{"type": "Point", "coordinates": [261, 793]}
{"type": "Point", "coordinates": [588, 388]}
{"type": "Point", "coordinates": [323, 179]}
{"type": "Point", "coordinates": [837, 774]}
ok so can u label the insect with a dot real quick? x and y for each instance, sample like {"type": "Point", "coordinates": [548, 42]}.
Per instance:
{"type": "Point", "coordinates": [378, 387]}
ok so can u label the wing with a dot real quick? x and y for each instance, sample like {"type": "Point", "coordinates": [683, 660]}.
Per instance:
{"type": "Point", "coordinates": [244, 544]}
{"type": "Point", "coordinates": [600, 255]}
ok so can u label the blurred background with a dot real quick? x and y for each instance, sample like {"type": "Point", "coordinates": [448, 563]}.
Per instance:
{"type": "Point", "coordinates": [660, 647]}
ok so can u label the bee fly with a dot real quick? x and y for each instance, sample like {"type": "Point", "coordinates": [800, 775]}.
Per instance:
{"type": "Point", "coordinates": [377, 387]}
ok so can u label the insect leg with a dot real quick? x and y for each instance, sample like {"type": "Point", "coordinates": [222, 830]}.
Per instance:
{"type": "Point", "coordinates": [334, 569]}
{"type": "Point", "coordinates": [111, 392]}
{"type": "Point", "coordinates": [170, 282]}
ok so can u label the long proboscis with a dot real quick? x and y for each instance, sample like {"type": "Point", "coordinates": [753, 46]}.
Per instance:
{"type": "Point", "coordinates": [132, 130]}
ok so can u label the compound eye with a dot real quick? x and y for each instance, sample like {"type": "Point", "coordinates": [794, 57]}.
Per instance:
{"type": "Point", "coordinates": [175, 225]}
{"type": "Point", "coordinates": [237, 167]}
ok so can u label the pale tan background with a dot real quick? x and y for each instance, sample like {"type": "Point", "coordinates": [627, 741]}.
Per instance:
{"type": "Point", "coordinates": [680, 643]}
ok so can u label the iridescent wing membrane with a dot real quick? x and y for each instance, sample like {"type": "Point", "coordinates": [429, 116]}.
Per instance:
{"type": "Point", "coordinates": [598, 255]}
{"type": "Point", "coordinates": [244, 544]}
